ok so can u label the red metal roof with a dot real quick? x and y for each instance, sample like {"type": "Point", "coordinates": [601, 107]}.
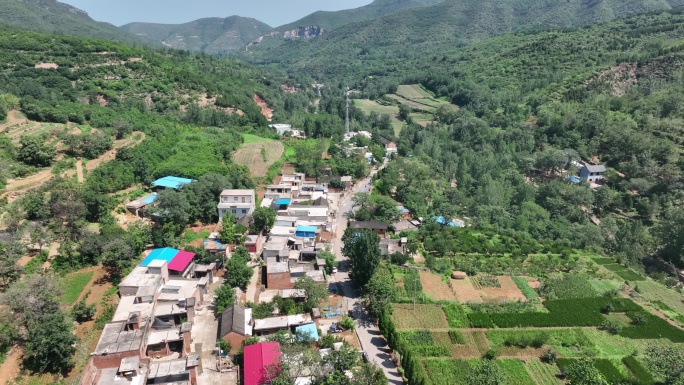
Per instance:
{"type": "Point", "coordinates": [181, 261]}
{"type": "Point", "coordinates": [258, 358]}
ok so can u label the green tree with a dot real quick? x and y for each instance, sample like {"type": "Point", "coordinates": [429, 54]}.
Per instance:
{"type": "Point", "coordinates": [83, 312]}
{"type": "Point", "coordinates": [329, 258]}
{"type": "Point", "coordinates": [583, 372]}
{"type": "Point", "coordinates": [49, 344]}
{"type": "Point", "coordinates": [228, 228]}
{"type": "Point", "coordinates": [238, 273]}
{"type": "Point", "coordinates": [171, 210]}
{"type": "Point", "coordinates": [379, 293]}
{"type": "Point", "coordinates": [670, 235]}
{"type": "Point", "coordinates": [35, 151]}
{"type": "Point", "coordinates": [35, 206]}
{"type": "Point", "coordinates": [225, 298]}
{"type": "Point", "coordinates": [264, 219]}
{"type": "Point", "coordinates": [666, 362]}
{"type": "Point", "coordinates": [363, 250]}
{"type": "Point", "coordinates": [313, 292]}
{"type": "Point", "coordinates": [117, 255]}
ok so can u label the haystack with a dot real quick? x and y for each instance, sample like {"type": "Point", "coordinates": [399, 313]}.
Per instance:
{"type": "Point", "coordinates": [459, 275]}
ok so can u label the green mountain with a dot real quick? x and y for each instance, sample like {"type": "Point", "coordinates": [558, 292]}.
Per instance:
{"type": "Point", "coordinates": [331, 20]}
{"type": "Point", "coordinates": [426, 30]}
{"type": "Point", "coordinates": [210, 35]}
{"type": "Point", "coordinates": [51, 16]}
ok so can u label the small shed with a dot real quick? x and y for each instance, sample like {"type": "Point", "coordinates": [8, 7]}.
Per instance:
{"type": "Point", "coordinates": [306, 231]}
{"type": "Point", "coordinates": [316, 313]}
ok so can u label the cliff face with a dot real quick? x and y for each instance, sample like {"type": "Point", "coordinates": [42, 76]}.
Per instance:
{"type": "Point", "coordinates": [305, 32]}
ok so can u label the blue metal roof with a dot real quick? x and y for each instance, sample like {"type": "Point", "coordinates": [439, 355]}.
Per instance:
{"type": "Point", "coordinates": [171, 182]}
{"type": "Point", "coordinates": [149, 199]}
{"type": "Point", "coordinates": [165, 254]}
{"type": "Point", "coordinates": [283, 201]}
{"type": "Point", "coordinates": [308, 330]}
{"type": "Point", "coordinates": [306, 229]}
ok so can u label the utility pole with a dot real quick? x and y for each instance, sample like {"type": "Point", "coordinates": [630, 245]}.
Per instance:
{"type": "Point", "coordinates": [346, 119]}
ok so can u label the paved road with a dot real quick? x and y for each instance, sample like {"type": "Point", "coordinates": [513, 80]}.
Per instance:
{"type": "Point", "coordinates": [372, 341]}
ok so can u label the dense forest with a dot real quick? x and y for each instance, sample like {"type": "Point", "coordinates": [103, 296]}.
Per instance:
{"type": "Point", "coordinates": [530, 105]}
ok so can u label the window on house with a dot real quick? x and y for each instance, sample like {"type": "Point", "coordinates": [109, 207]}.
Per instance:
{"type": "Point", "coordinates": [234, 211]}
{"type": "Point", "coordinates": [243, 199]}
{"type": "Point", "coordinates": [244, 211]}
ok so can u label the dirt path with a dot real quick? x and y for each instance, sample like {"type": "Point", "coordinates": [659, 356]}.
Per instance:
{"type": "Point", "coordinates": [9, 370]}
{"type": "Point", "coordinates": [79, 170]}
{"type": "Point", "coordinates": [17, 187]}
{"type": "Point", "coordinates": [14, 118]}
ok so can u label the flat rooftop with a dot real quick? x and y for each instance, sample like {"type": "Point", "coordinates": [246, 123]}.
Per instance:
{"type": "Point", "coordinates": [167, 368]}
{"type": "Point", "coordinates": [175, 289]}
{"type": "Point", "coordinates": [127, 306]}
{"type": "Point", "coordinates": [140, 277]}
{"type": "Point", "coordinates": [159, 336]}
{"type": "Point", "coordinates": [114, 339]}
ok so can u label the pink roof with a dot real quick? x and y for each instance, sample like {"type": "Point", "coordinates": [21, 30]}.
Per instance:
{"type": "Point", "coordinates": [258, 358]}
{"type": "Point", "coordinates": [181, 261]}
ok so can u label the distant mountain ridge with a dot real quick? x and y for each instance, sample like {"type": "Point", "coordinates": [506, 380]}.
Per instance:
{"type": "Point", "coordinates": [329, 20]}
{"type": "Point", "coordinates": [211, 35]}
{"type": "Point", "coordinates": [441, 27]}
{"type": "Point", "coordinates": [51, 16]}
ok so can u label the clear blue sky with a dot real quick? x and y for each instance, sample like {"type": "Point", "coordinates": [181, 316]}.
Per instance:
{"type": "Point", "coordinates": [271, 12]}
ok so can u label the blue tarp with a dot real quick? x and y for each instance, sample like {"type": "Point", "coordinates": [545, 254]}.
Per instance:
{"type": "Point", "coordinates": [440, 219]}
{"type": "Point", "coordinates": [309, 330]}
{"type": "Point", "coordinates": [283, 201]}
{"type": "Point", "coordinates": [149, 199]}
{"type": "Point", "coordinates": [171, 182]}
{"type": "Point", "coordinates": [165, 254]}
{"type": "Point", "coordinates": [573, 179]}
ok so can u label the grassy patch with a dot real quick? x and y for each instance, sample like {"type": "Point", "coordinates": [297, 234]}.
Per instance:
{"type": "Point", "coordinates": [654, 291]}
{"type": "Point", "coordinates": [447, 372]}
{"type": "Point", "coordinates": [605, 285]}
{"type": "Point", "coordinates": [561, 339]}
{"type": "Point", "coordinates": [416, 337]}
{"type": "Point", "coordinates": [455, 315]}
{"type": "Point", "coordinates": [369, 106]}
{"type": "Point", "coordinates": [36, 263]}
{"type": "Point", "coordinates": [625, 273]}
{"type": "Point", "coordinates": [517, 374]}
{"type": "Point", "coordinates": [544, 374]}
{"type": "Point", "coordinates": [73, 285]}
{"type": "Point", "coordinates": [423, 317]}
{"type": "Point", "coordinates": [525, 288]}
{"type": "Point", "coordinates": [571, 286]}
{"type": "Point", "coordinates": [249, 138]}
{"type": "Point", "coordinates": [191, 236]}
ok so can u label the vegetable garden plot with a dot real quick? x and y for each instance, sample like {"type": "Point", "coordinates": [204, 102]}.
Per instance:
{"type": "Point", "coordinates": [517, 374]}
{"type": "Point", "coordinates": [423, 317]}
{"type": "Point", "coordinates": [544, 374]}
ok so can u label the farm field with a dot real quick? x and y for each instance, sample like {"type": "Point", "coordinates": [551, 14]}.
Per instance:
{"type": "Point", "coordinates": [584, 314]}
{"type": "Point", "coordinates": [369, 106]}
{"type": "Point", "coordinates": [413, 91]}
{"type": "Point", "coordinates": [435, 288]}
{"type": "Point", "coordinates": [258, 154]}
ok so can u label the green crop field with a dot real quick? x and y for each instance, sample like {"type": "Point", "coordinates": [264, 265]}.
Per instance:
{"type": "Point", "coordinates": [517, 374]}
{"type": "Point", "coordinates": [369, 106]}
{"type": "Point", "coordinates": [544, 374]}
{"type": "Point", "coordinates": [249, 138]}
{"type": "Point", "coordinates": [413, 91]}
{"type": "Point", "coordinates": [73, 285]}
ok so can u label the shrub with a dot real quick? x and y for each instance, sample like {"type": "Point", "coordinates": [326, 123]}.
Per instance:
{"type": "Point", "coordinates": [347, 323]}
{"type": "Point", "coordinates": [490, 354]}
{"type": "Point", "coordinates": [83, 312]}
{"type": "Point", "coordinates": [549, 356]}
{"type": "Point", "coordinates": [612, 327]}
{"type": "Point", "coordinates": [225, 346]}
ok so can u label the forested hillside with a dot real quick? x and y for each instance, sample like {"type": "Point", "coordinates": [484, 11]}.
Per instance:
{"type": "Point", "coordinates": [374, 10]}
{"type": "Point", "coordinates": [413, 33]}
{"type": "Point", "coordinates": [210, 35]}
{"type": "Point", "coordinates": [530, 105]}
{"type": "Point", "coordinates": [51, 16]}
